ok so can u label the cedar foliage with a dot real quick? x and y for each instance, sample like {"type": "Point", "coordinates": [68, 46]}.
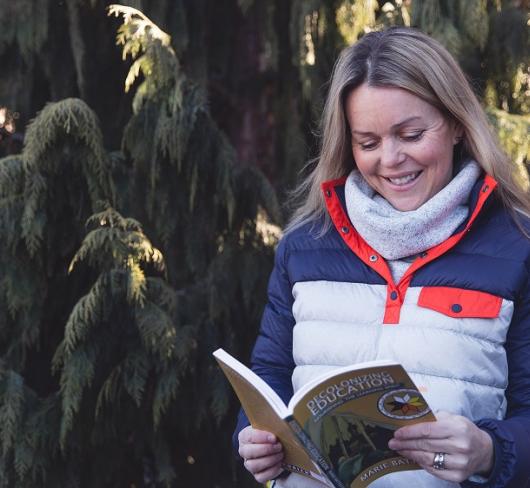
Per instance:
{"type": "Point", "coordinates": [47, 192]}
{"type": "Point", "coordinates": [488, 37]}
{"type": "Point", "coordinates": [106, 329]}
{"type": "Point", "coordinates": [105, 348]}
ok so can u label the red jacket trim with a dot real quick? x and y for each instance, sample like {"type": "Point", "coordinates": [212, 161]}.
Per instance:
{"type": "Point", "coordinates": [395, 292]}
{"type": "Point", "coordinates": [457, 302]}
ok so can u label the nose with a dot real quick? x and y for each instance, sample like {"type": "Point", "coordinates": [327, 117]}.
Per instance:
{"type": "Point", "coordinates": [391, 154]}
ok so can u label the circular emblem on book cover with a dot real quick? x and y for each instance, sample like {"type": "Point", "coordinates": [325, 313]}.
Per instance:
{"type": "Point", "coordinates": [403, 404]}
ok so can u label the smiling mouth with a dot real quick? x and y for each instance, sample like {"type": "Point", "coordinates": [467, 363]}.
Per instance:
{"type": "Point", "coordinates": [403, 180]}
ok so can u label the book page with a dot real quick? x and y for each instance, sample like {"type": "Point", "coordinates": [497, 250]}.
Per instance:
{"type": "Point", "coordinates": [264, 414]}
{"type": "Point", "coordinates": [352, 415]}
{"type": "Point", "coordinates": [231, 366]}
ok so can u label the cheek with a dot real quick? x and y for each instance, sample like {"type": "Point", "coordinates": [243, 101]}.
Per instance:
{"type": "Point", "coordinates": [438, 163]}
{"type": "Point", "coordinates": [426, 154]}
{"type": "Point", "coordinates": [435, 150]}
{"type": "Point", "coordinates": [364, 162]}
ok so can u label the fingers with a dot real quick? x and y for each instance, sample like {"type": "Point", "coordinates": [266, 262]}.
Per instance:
{"type": "Point", "coordinates": [423, 444]}
{"type": "Point", "coordinates": [255, 436]}
{"type": "Point", "coordinates": [262, 453]}
{"type": "Point", "coordinates": [255, 443]}
{"type": "Point", "coordinates": [268, 474]}
{"type": "Point", "coordinates": [455, 465]}
{"type": "Point", "coordinates": [264, 466]}
{"type": "Point", "coordinates": [254, 451]}
{"type": "Point", "coordinates": [452, 445]}
{"type": "Point", "coordinates": [467, 450]}
{"type": "Point", "coordinates": [425, 460]}
{"type": "Point", "coordinates": [432, 430]}
{"type": "Point", "coordinates": [447, 425]}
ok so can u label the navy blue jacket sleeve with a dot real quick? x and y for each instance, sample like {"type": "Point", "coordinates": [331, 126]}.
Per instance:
{"type": "Point", "coordinates": [511, 436]}
{"type": "Point", "coordinates": [272, 356]}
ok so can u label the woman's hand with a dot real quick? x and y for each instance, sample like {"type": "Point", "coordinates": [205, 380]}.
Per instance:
{"type": "Point", "coordinates": [262, 453]}
{"type": "Point", "coordinates": [467, 449]}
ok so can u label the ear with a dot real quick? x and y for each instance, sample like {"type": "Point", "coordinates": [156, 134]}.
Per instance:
{"type": "Point", "coordinates": [458, 133]}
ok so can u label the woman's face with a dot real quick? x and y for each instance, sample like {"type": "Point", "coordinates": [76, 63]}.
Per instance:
{"type": "Point", "coordinates": [402, 145]}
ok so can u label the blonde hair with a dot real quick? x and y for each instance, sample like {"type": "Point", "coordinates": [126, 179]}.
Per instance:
{"type": "Point", "coordinates": [408, 59]}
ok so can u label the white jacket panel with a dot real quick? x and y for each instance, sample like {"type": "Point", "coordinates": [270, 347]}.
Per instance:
{"type": "Point", "coordinates": [459, 364]}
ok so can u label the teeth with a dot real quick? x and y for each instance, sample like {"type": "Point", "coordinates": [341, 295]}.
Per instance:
{"type": "Point", "coordinates": [404, 179]}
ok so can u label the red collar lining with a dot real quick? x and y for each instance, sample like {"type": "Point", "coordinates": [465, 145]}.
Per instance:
{"type": "Point", "coordinates": [375, 261]}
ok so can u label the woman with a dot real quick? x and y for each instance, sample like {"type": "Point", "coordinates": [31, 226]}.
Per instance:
{"type": "Point", "coordinates": [410, 245]}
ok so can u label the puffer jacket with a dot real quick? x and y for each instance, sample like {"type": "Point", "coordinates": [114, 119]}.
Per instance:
{"type": "Point", "coordinates": [458, 320]}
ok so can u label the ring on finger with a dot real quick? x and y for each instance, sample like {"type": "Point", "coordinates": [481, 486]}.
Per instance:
{"type": "Point", "coordinates": [439, 460]}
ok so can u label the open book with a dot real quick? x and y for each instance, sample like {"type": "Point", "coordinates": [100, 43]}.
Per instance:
{"type": "Point", "coordinates": [336, 428]}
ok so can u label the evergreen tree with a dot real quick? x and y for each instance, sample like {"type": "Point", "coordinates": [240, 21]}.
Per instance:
{"type": "Point", "coordinates": [107, 377]}
{"type": "Point", "coordinates": [488, 37]}
{"type": "Point", "coordinates": [106, 329]}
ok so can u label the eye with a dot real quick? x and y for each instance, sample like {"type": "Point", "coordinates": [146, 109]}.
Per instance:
{"type": "Point", "coordinates": [412, 136]}
{"type": "Point", "coordinates": [367, 146]}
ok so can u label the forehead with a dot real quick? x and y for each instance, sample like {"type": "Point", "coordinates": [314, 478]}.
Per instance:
{"type": "Point", "coordinates": [368, 106]}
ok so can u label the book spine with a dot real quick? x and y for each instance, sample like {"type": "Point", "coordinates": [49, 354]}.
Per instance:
{"type": "Point", "coordinates": [314, 452]}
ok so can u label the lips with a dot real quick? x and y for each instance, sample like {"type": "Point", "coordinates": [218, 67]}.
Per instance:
{"type": "Point", "coordinates": [403, 180]}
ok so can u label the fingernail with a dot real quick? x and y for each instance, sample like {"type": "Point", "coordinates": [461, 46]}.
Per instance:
{"type": "Point", "coordinates": [391, 443]}
{"type": "Point", "coordinates": [271, 438]}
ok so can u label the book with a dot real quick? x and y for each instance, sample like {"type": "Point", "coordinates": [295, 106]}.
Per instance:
{"type": "Point", "coordinates": [335, 428]}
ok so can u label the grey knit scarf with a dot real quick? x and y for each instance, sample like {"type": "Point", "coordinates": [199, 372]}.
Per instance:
{"type": "Point", "coordinates": [397, 235]}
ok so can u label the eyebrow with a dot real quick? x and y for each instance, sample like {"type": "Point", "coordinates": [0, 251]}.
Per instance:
{"type": "Point", "coordinates": [403, 122]}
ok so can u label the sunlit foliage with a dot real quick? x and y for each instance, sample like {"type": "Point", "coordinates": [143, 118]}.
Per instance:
{"type": "Point", "coordinates": [106, 337]}
{"type": "Point", "coordinates": [137, 229]}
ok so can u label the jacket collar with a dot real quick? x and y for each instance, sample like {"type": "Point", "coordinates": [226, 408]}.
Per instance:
{"type": "Point", "coordinates": [334, 198]}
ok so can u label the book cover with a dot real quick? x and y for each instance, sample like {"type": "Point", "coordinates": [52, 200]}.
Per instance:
{"type": "Point", "coordinates": [337, 427]}
{"type": "Point", "coordinates": [266, 411]}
